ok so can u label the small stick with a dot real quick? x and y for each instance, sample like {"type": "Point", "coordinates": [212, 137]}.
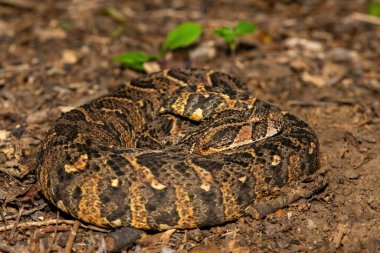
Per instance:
{"type": "Point", "coordinates": [27, 212]}
{"type": "Point", "coordinates": [73, 234]}
{"type": "Point", "coordinates": [50, 222]}
{"type": "Point", "coordinates": [56, 228]}
{"type": "Point", "coordinates": [19, 4]}
{"type": "Point", "coordinates": [55, 233]}
{"type": "Point", "coordinates": [36, 223]}
{"type": "Point", "coordinates": [3, 218]}
{"type": "Point", "coordinates": [17, 221]}
{"type": "Point", "coordinates": [262, 209]}
{"type": "Point", "coordinates": [365, 18]}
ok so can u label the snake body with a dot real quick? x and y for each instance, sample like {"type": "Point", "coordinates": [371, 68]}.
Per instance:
{"type": "Point", "coordinates": [180, 148]}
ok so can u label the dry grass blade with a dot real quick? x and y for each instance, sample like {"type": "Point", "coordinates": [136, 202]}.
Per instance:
{"type": "Point", "coordinates": [73, 234]}
{"type": "Point", "coordinates": [17, 221]}
{"type": "Point", "coordinates": [25, 213]}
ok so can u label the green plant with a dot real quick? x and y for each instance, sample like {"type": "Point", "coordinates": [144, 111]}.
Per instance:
{"type": "Point", "coordinates": [374, 9]}
{"type": "Point", "coordinates": [181, 36]}
{"type": "Point", "coordinates": [64, 25]}
{"type": "Point", "coordinates": [230, 35]}
{"type": "Point", "coordinates": [135, 60]}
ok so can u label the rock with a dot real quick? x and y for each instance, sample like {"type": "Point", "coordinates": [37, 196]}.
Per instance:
{"type": "Point", "coordinates": [205, 51]}
{"type": "Point", "coordinates": [167, 250]}
{"type": "Point", "coordinates": [310, 224]}
{"type": "Point", "coordinates": [69, 57]}
{"type": "Point", "coordinates": [316, 80]}
{"type": "Point", "coordinates": [352, 174]}
{"type": "Point", "coordinates": [151, 67]}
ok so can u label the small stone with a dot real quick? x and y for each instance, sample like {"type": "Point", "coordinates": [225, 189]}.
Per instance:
{"type": "Point", "coordinates": [282, 242]}
{"type": "Point", "coordinates": [64, 109]}
{"type": "Point", "coordinates": [352, 174]}
{"type": "Point", "coordinates": [316, 80]}
{"type": "Point", "coordinates": [203, 52]}
{"type": "Point", "coordinates": [310, 224]}
{"type": "Point", "coordinates": [167, 250]}
{"type": "Point", "coordinates": [4, 134]}
{"type": "Point", "coordinates": [195, 235]}
{"type": "Point", "coordinates": [151, 67]}
{"type": "Point", "coordinates": [342, 55]}
{"type": "Point", "coordinates": [69, 57]}
{"type": "Point", "coordinates": [299, 64]}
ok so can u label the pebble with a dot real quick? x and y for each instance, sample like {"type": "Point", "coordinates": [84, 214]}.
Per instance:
{"type": "Point", "coordinates": [352, 174]}
{"type": "Point", "coordinates": [310, 224]}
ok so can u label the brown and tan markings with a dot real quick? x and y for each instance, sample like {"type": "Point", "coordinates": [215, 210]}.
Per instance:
{"type": "Point", "coordinates": [181, 148]}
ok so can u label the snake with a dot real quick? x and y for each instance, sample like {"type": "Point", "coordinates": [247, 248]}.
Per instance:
{"type": "Point", "coordinates": [180, 148]}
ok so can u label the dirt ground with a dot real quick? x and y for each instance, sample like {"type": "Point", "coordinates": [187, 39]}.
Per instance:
{"type": "Point", "coordinates": [316, 59]}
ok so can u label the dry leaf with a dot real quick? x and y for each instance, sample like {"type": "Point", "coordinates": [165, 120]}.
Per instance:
{"type": "Point", "coordinates": [211, 248]}
{"type": "Point", "coordinates": [160, 238]}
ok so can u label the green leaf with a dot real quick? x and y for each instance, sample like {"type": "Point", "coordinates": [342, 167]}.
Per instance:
{"type": "Point", "coordinates": [374, 9]}
{"type": "Point", "coordinates": [64, 25]}
{"type": "Point", "coordinates": [227, 34]}
{"type": "Point", "coordinates": [182, 36]}
{"type": "Point", "coordinates": [135, 60]}
{"type": "Point", "coordinates": [245, 27]}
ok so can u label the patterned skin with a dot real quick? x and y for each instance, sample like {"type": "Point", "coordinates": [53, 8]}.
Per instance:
{"type": "Point", "coordinates": [175, 149]}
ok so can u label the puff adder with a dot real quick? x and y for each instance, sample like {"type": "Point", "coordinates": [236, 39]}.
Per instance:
{"type": "Point", "coordinates": [180, 148]}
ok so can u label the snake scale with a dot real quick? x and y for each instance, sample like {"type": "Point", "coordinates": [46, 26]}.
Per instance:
{"type": "Point", "coordinates": [181, 148]}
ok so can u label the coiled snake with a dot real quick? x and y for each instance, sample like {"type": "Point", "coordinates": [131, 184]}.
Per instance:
{"type": "Point", "coordinates": [175, 149]}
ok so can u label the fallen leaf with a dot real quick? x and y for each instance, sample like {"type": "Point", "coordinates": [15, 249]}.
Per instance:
{"type": "Point", "coordinates": [159, 238]}
{"type": "Point", "coordinates": [234, 247]}
{"type": "Point", "coordinates": [211, 248]}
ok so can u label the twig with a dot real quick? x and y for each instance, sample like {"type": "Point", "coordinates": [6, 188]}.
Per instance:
{"type": "Point", "coordinates": [325, 102]}
{"type": "Point", "coordinates": [357, 16]}
{"type": "Point", "coordinates": [50, 222]}
{"type": "Point", "coordinates": [56, 228]}
{"type": "Point", "coordinates": [19, 4]}
{"type": "Point", "coordinates": [55, 234]}
{"type": "Point", "coordinates": [3, 217]}
{"type": "Point", "coordinates": [27, 212]}
{"type": "Point", "coordinates": [17, 221]}
{"type": "Point", "coordinates": [264, 208]}
{"type": "Point", "coordinates": [73, 234]}
{"type": "Point", "coordinates": [37, 224]}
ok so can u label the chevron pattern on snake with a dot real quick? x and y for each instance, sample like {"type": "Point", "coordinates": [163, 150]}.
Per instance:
{"type": "Point", "coordinates": [180, 148]}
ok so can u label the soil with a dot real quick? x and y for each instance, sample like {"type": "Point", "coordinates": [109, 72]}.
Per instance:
{"type": "Point", "coordinates": [317, 59]}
